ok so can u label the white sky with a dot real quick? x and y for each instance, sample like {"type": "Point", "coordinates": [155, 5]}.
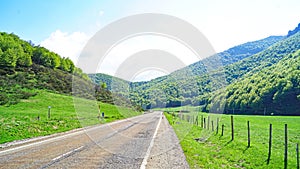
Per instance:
{"type": "Point", "coordinates": [224, 23]}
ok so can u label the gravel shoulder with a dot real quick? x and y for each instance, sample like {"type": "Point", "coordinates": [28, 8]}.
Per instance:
{"type": "Point", "coordinates": [166, 152]}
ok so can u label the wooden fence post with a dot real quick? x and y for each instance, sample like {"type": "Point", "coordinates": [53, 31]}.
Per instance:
{"type": "Point", "coordinates": [197, 120]}
{"type": "Point", "coordinates": [49, 110]}
{"type": "Point", "coordinates": [204, 122]}
{"type": "Point", "coordinates": [222, 130]}
{"type": "Point", "coordinates": [297, 155]}
{"type": "Point", "coordinates": [232, 129]}
{"type": "Point", "coordinates": [201, 121]}
{"type": "Point", "coordinates": [270, 144]}
{"type": "Point", "coordinates": [248, 126]}
{"type": "Point", "coordinates": [285, 146]}
{"type": "Point", "coordinates": [193, 119]}
{"type": "Point", "coordinates": [208, 119]}
{"type": "Point", "coordinates": [217, 126]}
{"type": "Point", "coordinates": [212, 125]}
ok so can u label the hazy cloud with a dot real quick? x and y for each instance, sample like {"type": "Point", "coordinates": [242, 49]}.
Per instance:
{"type": "Point", "coordinates": [66, 44]}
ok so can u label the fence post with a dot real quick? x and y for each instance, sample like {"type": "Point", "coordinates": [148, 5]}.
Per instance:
{"type": "Point", "coordinates": [197, 120]}
{"type": "Point", "coordinates": [297, 155]}
{"type": "Point", "coordinates": [222, 130]}
{"type": "Point", "coordinates": [208, 119]}
{"type": "Point", "coordinates": [285, 146]}
{"type": "Point", "coordinates": [204, 122]}
{"type": "Point", "coordinates": [49, 110]}
{"type": "Point", "coordinates": [270, 144]}
{"type": "Point", "coordinates": [232, 129]}
{"type": "Point", "coordinates": [248, 126]}
{"type": "Point", "coordinates": [201, 121]}
{"type": "Point", "coordinates": [194, 119]}
{"type": "Point", "coordinates": [212, 125]}
{"type": "Point", "coordinates": [217, 125]}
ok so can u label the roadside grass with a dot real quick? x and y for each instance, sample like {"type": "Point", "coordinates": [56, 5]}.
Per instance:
{"type": "Point", "coordinates": [21, 121]}
{"type": "Point", "coordinates": [182, 108]}
{"type": "Point", "coordinates": [218, 151]}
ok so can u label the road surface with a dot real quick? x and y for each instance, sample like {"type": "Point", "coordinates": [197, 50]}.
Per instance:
{"type": "Point", "coordinates": [145, 141]}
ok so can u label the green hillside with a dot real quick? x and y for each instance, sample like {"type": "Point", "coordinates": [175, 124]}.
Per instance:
{"type": "Point", "coordinates": [25, 67]}
{"type": "Point", "coordinates": [233, 54]}
{"type": "Point", "coordinates": [263, 59]}
{"type": "Point", "coordinates": [184, 88]}
{"type": "Point", "coordinates": [29, 118]}
{"type": "Point", "coordinates": [195, 86]}
{"type": "Point", "coordinates": [274, 89]}
{"type": "Point", "coordinates": [33, 78]}
{"type": "Point", "coordinates": [110, 81]}
{"type": "Point", "coordinates": [179, 87]}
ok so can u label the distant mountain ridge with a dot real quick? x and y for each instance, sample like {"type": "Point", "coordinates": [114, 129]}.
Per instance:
{"type": "Point", "coordinates": [194, 85]}
{"type": "Point", "coordinates": [236, 53]}
{"type": "Point", "coordinates": [262, 77]}
{"type": "Point", "coordinates": [292, 32]}
{"type": "Point", "coordinates": [229, 56]}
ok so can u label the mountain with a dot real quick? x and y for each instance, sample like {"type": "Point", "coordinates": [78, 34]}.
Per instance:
{"type": "Point", "coordinates": [292, 32]}
{"type": "Point", "coordinates": [26, 68]}
{"type": "Point", "coordinates": [272, 90]}
{"type": "Point", "coordinates": [109, 89]}
{"type": "Point", "coordinates": [194, 85]}
{"type": "Point", "coordinates": [263, 59]}
{"type": "Point", "coordinates": [233, 54]}
{"type": "Point", "coordinates": [108, 80]}
{"type": "Point", "coordinates": [227, 57]}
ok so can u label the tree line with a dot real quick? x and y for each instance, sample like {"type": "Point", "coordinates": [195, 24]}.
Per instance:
{"type": "Point", "coordinates": [15, 52]}
{"type": "Point", "coordinates": [258, 81]}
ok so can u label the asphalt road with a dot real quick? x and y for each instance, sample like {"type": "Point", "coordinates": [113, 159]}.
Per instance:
{"type": "Point", "coordinates": [145, 141]}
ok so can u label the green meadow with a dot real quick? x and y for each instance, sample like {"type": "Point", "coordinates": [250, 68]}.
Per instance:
{"type": "Point", "coordinates": [29, 118]}
{"type": "Point", "coordinates": [205, 148]}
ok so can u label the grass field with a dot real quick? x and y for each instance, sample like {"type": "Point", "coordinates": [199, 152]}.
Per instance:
{"type": "Point", "coordinates": [216, 151]}
{"type": "Point", "coordinates": [20, 121]}
{"type": "Point", "coordinates": [182, 108]}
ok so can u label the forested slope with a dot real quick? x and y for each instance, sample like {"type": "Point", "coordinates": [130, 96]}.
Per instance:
{"type": "Point", "coordinates": [272, 90]}
{"type": "Point", "coordinates": [25, 68]}
{"type": "Point", "coordinates": [193, 86]}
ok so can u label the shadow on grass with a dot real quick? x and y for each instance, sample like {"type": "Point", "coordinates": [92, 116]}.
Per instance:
{"type": "Point", "coordinates": [246, 149]}
{"type": "Point", "coordinates": [228, 143]}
